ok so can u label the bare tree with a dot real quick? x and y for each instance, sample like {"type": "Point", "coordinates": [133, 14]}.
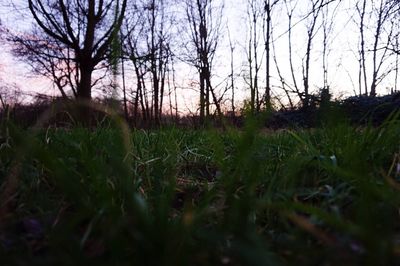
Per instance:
{"type": "Point", "coordinates": [362, 76]}
{"type": "Point", "coordinates": [313, 26]}
{"type": "Point", "coordinates": [123, 74]}
{"type": "Point", "coordinates": [231, 75]}
{"type": "Point", "coordinates": [134, 50]}
{"type": "Point", "coordinates": [383, 13]}
{"type": "Point", "coordinates": [316, 7]}
{"type": "Point", "coordinates": [82, 28]}
{"type": "Point", "coordinates": [172, 84]}
{"type": "Point", "coordinates": [48, 58]}
{"type": "Point", "coordinates": [328, 22]}
{"type": "Point", "coordinates": [267, 28]}
{"type": "Point", "coordinates": [290, 8]}
{"type": "Point", "coordinates": [255, 19]}
{"type": "Point", "coordinates": [396, 74]}
{"type": "Point", "coordinates": [159, 54]}
{"type": "Point", "coordinates": [146, 40]}
{"type": "Point", "coordinates": [284, 86]}
{"type": "Point", "coordinates": [204, 22]}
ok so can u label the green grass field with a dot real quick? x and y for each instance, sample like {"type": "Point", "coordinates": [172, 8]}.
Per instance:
{"type": "Point", "coordinates": [326, 196]}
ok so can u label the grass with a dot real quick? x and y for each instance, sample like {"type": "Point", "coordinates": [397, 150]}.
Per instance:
{"type": "Point", "coordinates": [326, 196]}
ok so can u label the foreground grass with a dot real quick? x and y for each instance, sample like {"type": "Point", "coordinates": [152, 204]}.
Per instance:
{"type": "Point", "coordinates": [327, 196]}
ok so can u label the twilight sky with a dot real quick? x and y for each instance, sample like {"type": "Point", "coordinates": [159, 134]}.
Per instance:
{"type": "Point", "coordinates": [342, 60]}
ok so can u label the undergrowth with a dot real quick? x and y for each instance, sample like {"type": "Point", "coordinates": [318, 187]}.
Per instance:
{"type": "Point", "coordinates": [324, 196]}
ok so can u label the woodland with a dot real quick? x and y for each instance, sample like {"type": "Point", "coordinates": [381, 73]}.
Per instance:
{"type": "Point", "coordinates": [272, 166]}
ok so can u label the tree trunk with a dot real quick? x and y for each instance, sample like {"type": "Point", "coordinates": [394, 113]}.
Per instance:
{"type": "Point", "coordinates": [85, 85]}
{"type": "Point", "coordinates": [267, 97]}
{"type": "Point", "coordinates": [202, 98]}
{"type": "Point", "coordinates": [124, 91]}
{"type": "Point", "coordinates": [84, 95]}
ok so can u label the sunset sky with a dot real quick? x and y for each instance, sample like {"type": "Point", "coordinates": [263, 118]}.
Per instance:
{"type": "Point", "coordinates": [343, 45]}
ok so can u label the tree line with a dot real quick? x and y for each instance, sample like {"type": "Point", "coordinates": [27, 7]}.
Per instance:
{"type": "Point", "coordinates": [132, 50]}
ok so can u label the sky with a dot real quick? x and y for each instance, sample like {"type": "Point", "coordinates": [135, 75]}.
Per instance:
{"type": "Point", "coordinates": [14, 73]}
{"type": "Point", "coordinates": [342, 59]}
